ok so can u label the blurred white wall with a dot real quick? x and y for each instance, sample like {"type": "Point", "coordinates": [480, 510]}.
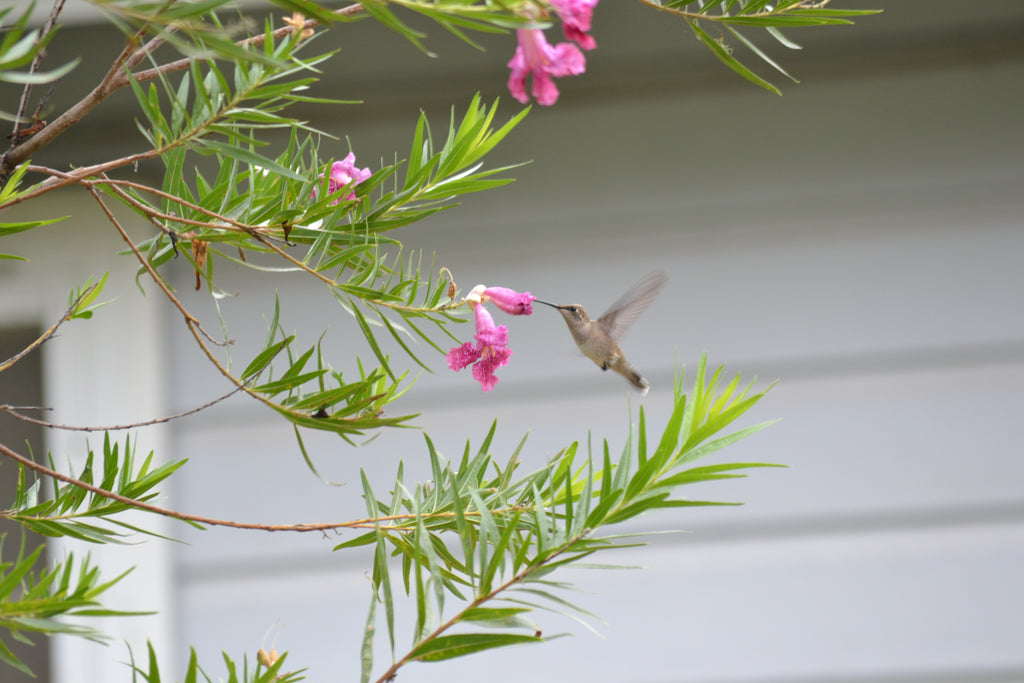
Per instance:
{"type": "Point", "coordinates": [858, 240]}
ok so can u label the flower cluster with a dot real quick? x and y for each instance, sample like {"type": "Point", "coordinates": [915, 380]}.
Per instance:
{"type": "Point", "coordinates": [537, 57]}
{"type": "Point", "coordinates": [490, 351]}
{"type": "Point", "coordinates": [344, 173]}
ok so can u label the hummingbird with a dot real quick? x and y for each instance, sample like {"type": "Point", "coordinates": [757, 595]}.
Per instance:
{"type": "Point", "coordinates": [599, 339]}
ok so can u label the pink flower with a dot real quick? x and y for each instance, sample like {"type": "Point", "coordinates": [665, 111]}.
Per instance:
{"type": "Point", "coordinates": [490, 352]}
{"type": "Point", "coordinates": [576, 16]}
{"type": "Point", "coordinates": [509, 300]}
{"type": "Point", "coordinates": [536, 57]}
{"type": "Point", "coordinates": [344, 173]}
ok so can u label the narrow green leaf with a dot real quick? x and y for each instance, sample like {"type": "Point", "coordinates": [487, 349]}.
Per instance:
{"type": "Point", "coordinates": [760, 53]}
{"type": "Point", "coordinates": [247, 156]}
{"type": "Point", "coordinates": [710, 447]}
{"type": "Point", "coordinates": [11, 660]}
{"type": "Point", "coordinates": [777, 34]}
{"type": "Point", "coordinates": [491, 613]}
{"type": "Point", "coordinates": [364, 539]}
{"type": "Point", "coordinates": [38, 77]}
{"type": "Point", "coordinates": [378, 10]}
{"type": "Point", "coordinates": [370, 339]}
{"type": "Point", "coordinates": [263, 358]}
{"type": "Point", "coordinates": [12, 228]}
{"type": "Point", "coordinates": [723, 54]}
{"type": "Point", "coordinates": [366, 651]}
{"type": "Point", "coordinates": [449, 647]}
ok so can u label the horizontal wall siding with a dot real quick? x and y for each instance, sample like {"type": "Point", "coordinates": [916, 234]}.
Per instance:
{"type": "Point", "coordinates": [873, 271]}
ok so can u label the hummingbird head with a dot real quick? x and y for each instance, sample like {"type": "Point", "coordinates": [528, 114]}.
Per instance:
{"type": "Point", "coordinates": [573, 313]}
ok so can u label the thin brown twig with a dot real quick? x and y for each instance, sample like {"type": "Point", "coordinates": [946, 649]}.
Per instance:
{"type": "Point", "coordinates": [60, 179]}
{"type": "Point", "coordinates": [155, 216]}
{"type": "Point", "coordinates": [365, 523]}
{"type": "Point", "coordinates": [55, 11]}
{"type": "Point", "coordinates": [190, 320]}
{"type": "Point", "coordinates": [69, 118]}
{"type": "Point", "coordinates": [13, 412]}
{"type": "Point", "coordinates": [52, 330]}
{"type": "Point", "coordinates": [229, 223]}
{"type": "Point", "coordinates": [146, 50]}
{"type": "Point", "coordinates": [252, 41]}
{"type": "Point", "coordinates": [256, 232]}
{"type": "Point", "coordinates": [335, 284]}
{"type": "Point", "coordinates": [392, 671]}
{"type": "Point", "coordinates": [117, 78]}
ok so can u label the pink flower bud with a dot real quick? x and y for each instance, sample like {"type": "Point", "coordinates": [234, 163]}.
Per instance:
{"type": "Point", "coordinates": [511, 301]}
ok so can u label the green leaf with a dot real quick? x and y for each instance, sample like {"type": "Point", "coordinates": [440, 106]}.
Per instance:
{"type": "Point", "coordinates": [247, 156]}
{"type": "Point", "coordinates": [491, 613]}
{"type": "Point", "coordinates": [365, 539]}
{"type": "Point", "coordinates": [370, 339]}
{"type": "Point", "coordinates": [720, 443]}
{"type": "Point", "coordinates": [723, 53]}
{"type": "Point", "coordinates": [285, 383]}
{"type": "Point", "coordinates": [80, 300]}
{"type": "Point", "coordinates": [39, 77]}
{"type": "Point", "coordinates": [366, 651]}
{"type": "Point", "coordinates": [757, 51]}
{"type": "Point", "coordinates": [379, 11]}
{"type": "Point", "coordinates": [448, 647]}
{"type": "Point", "coordinates": [777, 34]}
{"type": "Point", "coordinates": [498, 617]}
{"type": "Point", "coordinates": [260, 362]}
{"type": "Point", "coordinates": [9, 658]}
{"type": "Point", "coordinates": [12, 228]}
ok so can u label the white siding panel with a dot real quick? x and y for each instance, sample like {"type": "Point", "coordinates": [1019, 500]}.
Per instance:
{"type": "Point", "coordinates": [875, 273]}
{"type": "Point", "coordinates": [860, 606]}
{"type": "Point", "coordinates": [889, 448]}
{"type": "Point", "coordinates": [898, 231]}
{"type": "Point", "coordinates": [84, 369]}
{"type": "Point", "coordinates": [889, 547]}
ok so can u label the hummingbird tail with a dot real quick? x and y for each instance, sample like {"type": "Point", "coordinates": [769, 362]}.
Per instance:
{"type": "Point", "coordinates": [634, 377]}
{"type": "Point", "coordinates": [639, 382]}
{"type": "Point", "coordinates": [621, 366]}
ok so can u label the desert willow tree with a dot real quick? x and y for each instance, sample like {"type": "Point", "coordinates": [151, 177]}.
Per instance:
{"type": "Point", "coordinates": [476, 548]}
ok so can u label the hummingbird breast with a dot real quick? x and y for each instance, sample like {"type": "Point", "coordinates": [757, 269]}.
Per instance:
{"type": "Point", "coordinates": [598, 347]}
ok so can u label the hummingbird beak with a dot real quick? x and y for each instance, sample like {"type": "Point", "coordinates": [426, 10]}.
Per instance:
{"type": "Point", "coordinates": [546, 303]}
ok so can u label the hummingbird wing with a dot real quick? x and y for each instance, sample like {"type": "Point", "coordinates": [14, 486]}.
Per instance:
{"type": "Point", "coordinates": [617, 320]}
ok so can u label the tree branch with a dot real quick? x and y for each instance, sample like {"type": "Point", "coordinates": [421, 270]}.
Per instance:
{"type": "Point", "coordinates": [117, 78]}
{"type": "Point", "coordinates": [365, 523]}
{"type": "Point", "coordinates": [13, 412]}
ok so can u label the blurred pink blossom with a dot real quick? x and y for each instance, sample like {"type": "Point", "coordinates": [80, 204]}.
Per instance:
{"type": "Point", "coordinates": [344, 173]}
{"type": "Point", "coordinates": [576, 16]}
{"type": "Point", "coordinates": [535, 56]}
